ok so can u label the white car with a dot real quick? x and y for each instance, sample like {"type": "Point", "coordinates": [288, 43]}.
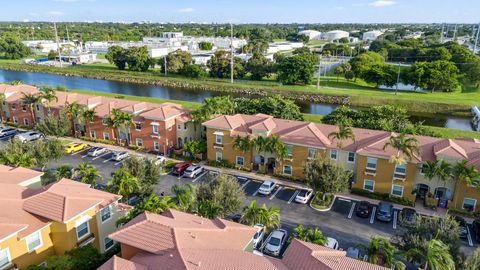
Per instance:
{"type": "Point", "coordinates": [275, 242]}
{"type": "Point", "coordinates": [257, 238]}
{"type": "Point", "coordinates": [332, 243]}
{"type": "Point", "coordinates": [29, 136]}
{"type": "Point", "coordinates": [303, 196]}
{"type": "Point", "coordinates": [97, 151]}
{"type": "Point", "coordinates": [267, 187]}
{"type": "Point", "coordinates": [119, 156]}
{"type": "Point", "coordinates": [7, 131]}
{"type": "Point", "coordinates": [160, 160]}
{"type": "Point", "coordinates": [193, 171]}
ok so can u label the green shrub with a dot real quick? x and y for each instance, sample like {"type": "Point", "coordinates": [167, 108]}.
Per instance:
{"type": "Point", "coordinates": [320, 203]}
{"type": "Point", "coordinates": [170, 164]}
{"type": "Point", "coordinates": [463, 212]}
{"type": "Point", "coordinates": [223, 164]}
{"type": "Point", "coordinates": [381, 196]}
{"type": "Point", "coordinates": [95, 140]}
{"type": "Point", "coordinates": [135, 147]}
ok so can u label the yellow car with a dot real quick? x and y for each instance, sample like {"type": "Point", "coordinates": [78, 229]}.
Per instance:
{"type": "Point", "coordinates": [75, 147]}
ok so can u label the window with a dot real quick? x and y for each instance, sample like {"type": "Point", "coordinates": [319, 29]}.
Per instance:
{"type": "Point", "coordinates": [369, 185]}
{"type": "Point", "coordinates": [14, 106]}
{"type": "Point", "coordinates": [351, 157]}
{"type": "Point", "coordinates": [312, 153]}
{"type": "Point", "coordinates": [287, 169]}
{"type": "Point", "coordinates": [26, 122]}
{"type": "Point", "coordinates": [82, 230]}
{"type": "Point", "coordinates": [424, 168]}
{"type": "Point", "coordinates": [49, 111]}
{"type": "Point", "coordinates": [138, 126]}
{"type": "Point", "coordinates": [185, 126]}
{"type": "Point", "coordinates": [108, 243]}
{"type": "Point", "coordinates": [179, 127]}
{"type": "Point", "coordinates": [37, 107]}
{"type": "Point", "coordinates": [92, 134]}
{"type": "Point", "coordinates": [240, 161]}
{"type": "Point", "coordinates": [333, 154]}
{"type": "Point", "coordinates": [156, 146]}
{"type": "Point", "coordinates": [139, 142]}
{"type": "Point", "coordinates": [4, 257]}
{"type": "Point", "coordinates": [397, 190]}
{"type": "Point", "coordinates": [106, 136]}
{"type": "Point", "coordinates": [218, 156]}
{"type": "Point", "coordinates": [469, 204]}
{"type": "Point", "coordinates": [34, 241]}
{"type": "Point", "coordinates": [372, 163]}
{"type": "Point", "coordinates": [155, 129]}
{"type": "Point", "coordinates": [400, 169]}
{"type": "Point", "coordinates": [104, 121]}
{"type": "Point", "coordinates": [289, 149]}
{"type": "Point", "coordinates": [15, 120]}
{"type": "Point", "coordinates": [105, 213]}
{"type": "Point", "coordinates": [218, 139]}
{"type": "Point", "coordinates": [24, 108]}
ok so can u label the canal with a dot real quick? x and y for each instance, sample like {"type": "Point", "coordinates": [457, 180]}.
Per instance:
{"type": "Point", "coordinates": [73, 82]}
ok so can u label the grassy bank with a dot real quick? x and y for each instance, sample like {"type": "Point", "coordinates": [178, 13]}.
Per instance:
{"type": "Point", "coordinates": [359, 93]}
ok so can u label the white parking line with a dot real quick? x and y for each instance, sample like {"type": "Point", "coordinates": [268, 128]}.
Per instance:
{"type": "Point", "coordinates": [395, 219]}
{"type": "Point", "coordinates": [97, 157]}
{"type": "Point", "coordinates": [274, 194]}
{"type": "Point", "coordinates": [81, 151]}
{"type": "Point", "coordinates": [469, 237]}
{"type": "Point", "coordinates": [120, 162]}
{"type": "Point", "coordinates": [372, 218]}
{"type": "Point", "coordinates": [107, 160]}
{"type": "Point", "coordinates": [293, 197]}
{"type": "Point", "coordinates": [256, 192]}
{"type": "Point", "coordinates": [343, 199]}
{"type": "Point", "coordinates": [245, 184]}
{"type": "Point", "coordinates": [351, 210]}
{"type": "Point", "coordinates": [200, 176]}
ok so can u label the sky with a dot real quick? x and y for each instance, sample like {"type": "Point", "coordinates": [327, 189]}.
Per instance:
{"type": "Point", "coordinates": [244, 11]}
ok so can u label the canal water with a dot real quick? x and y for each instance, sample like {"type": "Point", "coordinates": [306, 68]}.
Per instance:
{"type": "Point", "coordinates": [73, 82]}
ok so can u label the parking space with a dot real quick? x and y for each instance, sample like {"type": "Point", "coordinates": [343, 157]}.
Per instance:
{"type": "Point", "coordinates": [287, 194]}
{"type": "Point", "coordinates": [251, 188]}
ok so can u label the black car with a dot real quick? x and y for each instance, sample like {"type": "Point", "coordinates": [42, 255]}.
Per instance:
{"type": "Point", "coordinates": [462, 225]}
{"type": "Point", "coordinates": [384, 212]}
{"type": "Point", "coordinates": [407, 216]}
{"type": "Point", "coordinates": [476, 229]}
{"type": "Point", "coordinates": [363, 209]}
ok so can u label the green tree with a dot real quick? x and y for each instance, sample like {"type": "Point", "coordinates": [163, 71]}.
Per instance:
{"type": "Point", "coordinates": [436, 257]}
{"type": "Point", "coordinates": [2, 100]}
{"type": "Point", "coordinates": [84, 258]}
{"type": "Point", "coordinates": [268, 216]}
{"type": "Point", "coordinates": [63, 171]}
{"type": "Point", "coordinates": [123, 183]}
{"type": "Point", "coordinates": [195, 147]}
{"type": "Point", "coordinates": [54, 126]}
{"type": "Point", "coordinates": [118, 56]}
{"type": "Point", "coordinates": [297, 69]}
{"type": "Point", "coordinates": [87, 173]}
{"type": "Point", "coordinates": [405, 146]}
{"type": "Point", "coordinates": [30, 100]}
{"type": "Point", "coordinates": [380, 74]}
{"type": "Point", "coordinates": [258, 66]}
{"type": "Point", "coordinates": [13, 48]}
{"type": "Point", "coordinates": [185, 197]}
{"type": "Point", "coordinates": [214, 107]}
{"type": "Point", "coordinates": [463, 172]}
{"type": "Point", "coordinates": [194, 71]}
{"type": "Point", "coordinates": [52, 55]}
{"type": "Point", "coordinates": [87, 116]}
{"type": "Point", "coordinates": [152, 203]}
{"type": "Point", "coordinates": [310, 235]}
{"type": "Point", "coordinates": [344, 132]}
{"type": "Point", "coordinates": [473, 262]}
{"type": "Point", "coordinates": [209, 209]}
{"type": "Point", "coordinates": [118, 119]}
{"type": "Point", "coordinates": [326, 177]}
{"type": "Point", "coordinates": [138, 58]}
{"type": "Point", "coordinates": [363, 62]}
{"type": "Point", "coordinates": [380, 250]}
{"type": "Point", "coordinates": [176, 61]}
{"type": "Point", "coordinates": [72, 112]}
{"type": "Point", "coordinates": [205, 46]}
{"type": "Point", "coordinates": [219, 66]}
{"type": "Point", "coordinates": [437, 75]}
{"type": "Point", "coordinates": [47, 96]}
{"type": "Point", "coordinates": [145, 171]}
{"type": "Point", "coordinates": [243, 144]}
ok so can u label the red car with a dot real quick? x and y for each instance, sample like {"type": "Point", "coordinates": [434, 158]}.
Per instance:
{"type": "Point", "coordinates": [180, 168]}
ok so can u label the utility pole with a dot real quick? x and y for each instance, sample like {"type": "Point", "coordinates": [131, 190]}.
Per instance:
{"type": "Point", "coordinates": [476, 40]}
{"type": "Point", "coordinates": [319, 71]}
{"type": "Point", "coordinates": [455, 32]}
{"type": "Point", "coordinates": [441, 33]}
{"type": "Point", "coordinates": [58, 44]}
{"type": "Point", "coordinates": [68, 36]}
{"type": "Point", "coordinates": [165, 64]}
{"type": "Point", "coordinates": [231, 52]}
{"type": "Point", "coordinates": [398, 79]}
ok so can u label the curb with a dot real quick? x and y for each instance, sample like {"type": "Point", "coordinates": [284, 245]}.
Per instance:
{"type": "Point", "coordinates": [326, 209]}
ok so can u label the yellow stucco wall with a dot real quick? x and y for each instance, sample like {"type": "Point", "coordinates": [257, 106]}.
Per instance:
{"type": "Point", "coordinates": [229, 153]}
{"type": "Point", "coordinates": [462, 191]}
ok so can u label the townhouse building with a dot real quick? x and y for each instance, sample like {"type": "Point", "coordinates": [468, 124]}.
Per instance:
{"type": "Point", "coordinates": [365, 156]}
{"type": "Point", "coordinates": [38, 222]}
{"type": "Point", "coordinates": [177, 241]}
{"type": "Point", "coordinates": [156, 127]}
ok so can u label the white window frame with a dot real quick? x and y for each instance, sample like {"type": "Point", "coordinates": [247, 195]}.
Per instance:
{"type": "Point", "coordinates": [218, 139]}
{"type": "Point", "coordinates": [88, 230]}
{"type": "Point", "coordinates": [310, 151]}
{"type": "Point", "coordinates": [474, 203]}
{"type": "Point", "coordinates": [185, 127]}
{"type": "Point", "coordinates": [291, 169]}
{"type": "Point", "coordinates": [105, 243]}
{"type": "Point", "coordinates": [28, 240]}
{"type": "Point", "coordinates": [138, 129]}
{"type": "Point", "coordinates": [421, 168]}
{"type": "Point", "coordinates": [107, 137]}
{"type": "Point", "coordinates": [24, 108]}
{"type": "Point", "coordinates": [139, 142]}
{"type": "Point", "coordinates": [92, 132]}
{"type": "Point", "coordinates": [354, 157]}
{"type": "Point", "coordinates": [109, 214]}
{"type": "Point", "coordinates": [15, 119]}
{"type": "Point", "coordinates": [218, 156]}
{"type": "Point", "coordinates": [179, 127]}
{"type": "Point", "coordinates": [396, 195]}
{"type": "Point", "coordinates": [7, 253]}
{"type": "Point", "coordinates": [26, 121]}
{"type": "Point", "coordinates": [156, 146]}
{"type": "Point", "coordinates": [104, 121]}
{"type": "Point", "coordinates": [373, 185]}
{"type": "Point", "coordinates": [289, 149]}
{"type": "Point", "coordinates": [333, 152]}
{"type": "Point", "coordinates": [372, 168]}
{"type": "Point", "coordinates": [37, 107]}
{"type": "Point", "coordinates": [401, 173]}
{"type": "Point", "coordinates": [155, 129]}
{"type": "Point", "coordinates": [14, 106]}
{"type": "Point", "coordinates": [243, 161]}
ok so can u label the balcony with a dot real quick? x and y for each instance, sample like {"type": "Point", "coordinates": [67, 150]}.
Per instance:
{"type": "Point", "coordinates": [399, 176]}
{"type": "Point", "coordinates": [218, 146]}
{"type": "Point", "coordinates": [10, 266]}
{"type": "Point", "coordinates": [87, 240]}
{"type": "Point", "coordinates": [371, 171]}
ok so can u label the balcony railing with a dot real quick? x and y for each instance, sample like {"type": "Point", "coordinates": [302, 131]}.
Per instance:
{"type": "Point", "coordinates": [88, 240]}
{"type": "Point", "coordinates": [399, 176]}
{"type": "Point", "coordinates": [370, 171]}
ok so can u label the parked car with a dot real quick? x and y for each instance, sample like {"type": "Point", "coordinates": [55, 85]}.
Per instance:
{"type": "Point", "coordinates": [362, 209]}
{"type": "Point", "coordinates": [29, 136]}
{"type": "Point", "coordinates": [275, 242]}
{"type": "Point", "coordinates": [258, 237]}
{"type": "Point", "coordinates": [462, 225]}
{"type": "Point", "coordinates": [160, 160]}
{"type": "Point", "coordinates": [476, 229]}
{"type": "Point", "coordinates": [407, 216]}
{"type": "Point", "coordinates": [332, 243]}
{"type": "Point", "coordinates": [180, 168]}
{"type": "Point", "coordinates": [119, 156]}
{"type": "Point", "coordinates": [7, 132]}
{"type": "Point", "coordinates": [304, 195]}
{"type": "Point", "coordinates": [75, 147]}
{"type": "Point", "coordinates": [353, 252]}
{"type": "Point", "coordinates": [384, 212]}
{"type": "Point", "coordinates": [97, 151]}
{"type": "Point", "coordinates": [193, 171]}
{"type": "Point", "coordinates": [267, 187]}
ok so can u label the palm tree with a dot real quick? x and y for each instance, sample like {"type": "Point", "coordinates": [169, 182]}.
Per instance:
{"type": "Point", "coordinates": [72, 111]}
{"type": "Point", "coordinates": [261, 145]}
{"type": "Point", "coordinates": [16, 82]}
{"type": "Point", "coordinates": [344, 133]}
{"type": "Point", "coordinates": [2, 99]}
{"type": "Point", "coordinates": [473, 262]}
{"type": "Point", "coordinates": [408, 146]}
{"type": "Point", "coordinates": [118, 119]}
{"type": "Point", "coordinates": [123, 183]}
{"type": "Point", "coordinates": [30, 100]}
{"type": "Point", "coordinates": [430, 169]}
{"type": "Point", "coordinates": [87, 173]}
{"type": "Point", "coordinates": [251, 214]}
{"type": "Point", "coordinates": [444, 171]}
{"type": "Point", "coordinates": [310, 235]}
{"type": "Point", "coordinates": [268, 216]}
{"type": "Point", "coordinates": [209, 209]}
{"type": "Point", "coordinates": [185, 197]}
{"type": "Point", "coordinates": [63, 171]}
{"type": "Point", "coordinates": [87, 116]}
{"type": "Point", "coordinates": [48, 95]}
{"type": "Point", "coordinates": [381, 251]}
{"type": "Point", "coordinates": [436, 257]}
{"type": "Point", "coordinates": [243, 144]}
{"type": "Point", "coordinates": [463, 172]}
{"type": "Point", "coordinates": [275, 145]}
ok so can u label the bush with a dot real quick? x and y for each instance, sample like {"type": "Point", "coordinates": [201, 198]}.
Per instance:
{"type": "Point", "coordinates": [95, 140]}
{"type": "Point", "coordinates": [193, 71]}
{"type": "Point", "coordinates": [222, 164]}
{"type": "Point", "coordinates": [135, 147]}
{"type": "Point", "coordinates": [381, 196]}
{"type": "Point", "coordinates": [320, 203]}
{"type": "Point", "coordinates": [170, 164]}
{"type": "Point", "coordinates": [463, 212]}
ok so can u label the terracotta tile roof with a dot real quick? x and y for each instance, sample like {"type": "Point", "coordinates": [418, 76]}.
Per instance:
{"type": "Point", "coordinates": [164, 111]}
{"type": "Point", "coordinates": [117, 263]}
{"type": "Point", "coordinates": [17, 176]}
{"type": "Point", "coordinates": [449, 148]}
{"type": "Point", "coordinates": [66, 199]}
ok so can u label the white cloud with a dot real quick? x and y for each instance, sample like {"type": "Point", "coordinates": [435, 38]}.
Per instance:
{"type": "Point", "coordinates": [186, 10]}
{"type": "Point", "coordinates": [55, 13]}
{"type": "Point", "coordinates": [382, 3]}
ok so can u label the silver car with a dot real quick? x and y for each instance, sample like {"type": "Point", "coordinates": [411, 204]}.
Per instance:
{"type": "Point", "coordinates": [119, 156]}
{"type": "Point", "coordinates": [29, 136]}
{"type": "Point", "coordinates": [275, 242]}
{"type": "Point", "coordinates": [97, 151]}
{"type": "Point", "coordinates": [193, 171]}
{"type": "Point", "coordinates": [7, 131]}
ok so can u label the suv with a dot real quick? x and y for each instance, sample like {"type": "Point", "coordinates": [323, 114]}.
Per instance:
{"type": "Point", "coordinates": [7, 131]}
{"type": "Point", "coordinates": [193, 171]}
{"type": "Point", "coordinates": [180, 168]}
{"type": "Point", "coordinates": [275, 242]}
{"type": "Point", "coordinates": [29, 136]}
{"type": "Point", "coordinates": [267, 187]}
{"type": "Point", "coordinates": [332, 243]}
{"type": "Point", "coordinates": [258, 237]}
{"type": "Point", "coordinates": [363, 209]}
{"type": "Point", "coordinates": [476, 229]}
{"type": "Point", "coordinates": [385, 212]}
{"type": "Point", "coordinates": [119, 156]}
